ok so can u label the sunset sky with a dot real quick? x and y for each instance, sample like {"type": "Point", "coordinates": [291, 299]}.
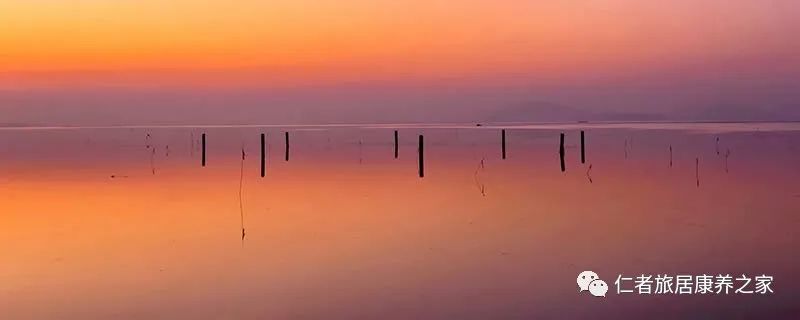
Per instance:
{"type": "Point", "coordinates": [301, 61]}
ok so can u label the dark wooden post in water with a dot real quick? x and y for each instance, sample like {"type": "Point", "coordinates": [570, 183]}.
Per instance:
{"type": "Point", "coordinates": [395, 144]}
{"type": "Point", "coordinates": [204, 149]}
{"type": "Point", "coordinates": [263, 155]}
{"type": "Point", "coordinates": [583, 149]}
{"type": "Point", "coordinates": [670, 156]}
{"type": "Point", "coordinates": [503, 142]}
{"type": "Point", "coordinates": [421, 151]}
{"type": "Point", "coordinates": [286, 135]}
{"type": "Point", "coordinates": [561, 153]}
{"type": "Point", "coordinates": [697, 171]}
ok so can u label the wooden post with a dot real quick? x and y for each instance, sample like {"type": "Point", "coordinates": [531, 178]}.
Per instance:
{"type": "Point", "coordinates": [204, 149]}
{"type": "Point", "coordinates": [503, 142]}
{"type": "Point", "coordinates": [263, 155]}
{"type": "Point", "coordinates": [286, 135]}
{"type": "Point", "coordinates": [561, 153]}
{"type": "Point", "coordinates": [670, 156]}
{"type": "Point", "coordinates": [583, 149]}
{"type": "Point", "coordinates": [395, 144]}
{"type": "Point", "coordinates": [421, 151]}
{"type": "Point", "coordinates": [697, 170]}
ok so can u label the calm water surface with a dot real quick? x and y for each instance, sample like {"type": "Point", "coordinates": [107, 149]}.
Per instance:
{"type": "Point", "coordinates": [110, 223]}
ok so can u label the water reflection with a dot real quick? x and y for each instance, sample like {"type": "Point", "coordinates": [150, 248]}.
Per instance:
{"type": "Point", "coordinates": [103, 223]}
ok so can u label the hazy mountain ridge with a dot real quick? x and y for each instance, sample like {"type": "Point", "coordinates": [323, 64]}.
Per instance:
{"type": "Point", "coordinates": [348, 105]}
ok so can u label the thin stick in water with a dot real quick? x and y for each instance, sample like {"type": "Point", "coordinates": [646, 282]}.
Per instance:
{"type": "Point", "coordinates": [697, 170]}
{"type": "Point", "coordinates": [583, 148]}
{"type": "Point", "coordinates": [589, 173]}
{"type": "Point", "coordinates": [670, 156]}
{"type": "Point", "coordinates": [727, 154]}
{"type": "Point", "coordinates": [241, 205]}
{"type": "Point", "coordinates": [286, 136]}
{"type": "Point", "coordinates": [503, 142]}
{"type": "Point", "coordinates": [478, 183]}
{"type": "Point", "coordinates": [152, 160]}
{"type": "Point", "coordinates": [561, 153]}
{"type": "Point", "coordinates": [421, 161]}
{"type": "Point", "coordinates": [396, 148]}
{"type": "Point", "coordinates": [204, 149]}
{"type": "Point", "coordinates": [626, 148]}
{"type": "Point", "coordinates": [263, 155]}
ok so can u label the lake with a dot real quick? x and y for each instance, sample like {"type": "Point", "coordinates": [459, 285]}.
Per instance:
{"type": "Point", "coordinates": [125, 222]}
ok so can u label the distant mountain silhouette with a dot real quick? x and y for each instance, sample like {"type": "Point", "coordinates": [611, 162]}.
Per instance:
{"type": "Point", "coordinates": [732, 112]}
{"type": "Point", "coordinates": [14, 125]}
{"type": "Point", "coordinates": [377, 104]}
{"type": "Point", "coordinates": [543, 111]}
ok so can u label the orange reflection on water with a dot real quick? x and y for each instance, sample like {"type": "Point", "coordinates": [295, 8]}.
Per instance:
{"type": "Point", "coordinates": [359, 235]}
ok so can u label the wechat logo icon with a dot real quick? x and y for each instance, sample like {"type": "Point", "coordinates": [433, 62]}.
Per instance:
{"type": "Point", "coordinates": [590, 281]}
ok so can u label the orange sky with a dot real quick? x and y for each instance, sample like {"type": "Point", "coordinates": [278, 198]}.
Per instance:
{"type": "Point", "coordinates": [142, 61]}
{"type": "Point", "coordinates": [327, 37]}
